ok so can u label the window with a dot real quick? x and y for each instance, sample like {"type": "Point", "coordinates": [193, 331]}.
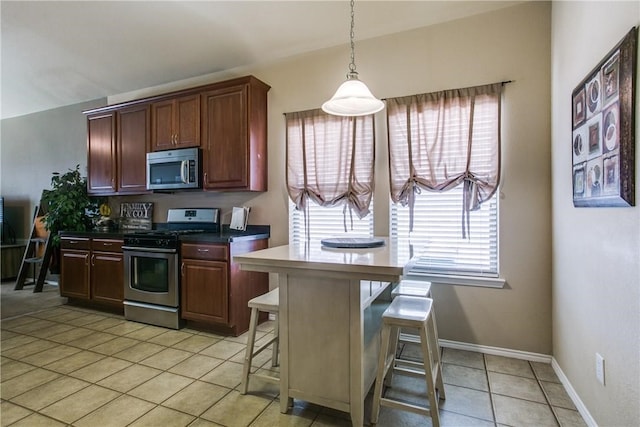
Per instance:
{"type": "Point", "coordinates": [329, 174]}
{"type": "Point", "coordinates": [326, 222]}
{"type": "Point", "coordinates": [444, 150]}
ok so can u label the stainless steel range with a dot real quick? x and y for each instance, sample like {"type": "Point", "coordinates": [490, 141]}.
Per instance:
{"type": "Point", "coordinates": [151, 265]}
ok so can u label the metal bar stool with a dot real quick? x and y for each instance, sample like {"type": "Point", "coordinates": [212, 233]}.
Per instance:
{"type": "Point", "coordinates": [270, 303]}
{"type": "Point", "coordinates": [417, 313]}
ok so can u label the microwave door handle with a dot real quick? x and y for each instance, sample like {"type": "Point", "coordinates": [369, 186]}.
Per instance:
{"type": "Point", "coordinates": [184, 171]}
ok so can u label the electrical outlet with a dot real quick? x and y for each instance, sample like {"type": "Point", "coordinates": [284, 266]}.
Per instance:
{"type": "Point", "coordinates": [600, 368]}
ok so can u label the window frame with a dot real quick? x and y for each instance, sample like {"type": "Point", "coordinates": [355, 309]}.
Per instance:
{"type": "Point", "coordinates": [429, 136]}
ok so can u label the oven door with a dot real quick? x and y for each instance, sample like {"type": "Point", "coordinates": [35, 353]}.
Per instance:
{"type": "Point", "coordinates": [151, 276]}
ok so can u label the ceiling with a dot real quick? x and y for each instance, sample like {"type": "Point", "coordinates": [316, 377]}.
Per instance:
{"type": "Point", "coordinates": [57, 53]}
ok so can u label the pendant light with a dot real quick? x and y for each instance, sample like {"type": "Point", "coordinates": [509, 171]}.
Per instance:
{"type": "Point", "coordinates": [353, 97]}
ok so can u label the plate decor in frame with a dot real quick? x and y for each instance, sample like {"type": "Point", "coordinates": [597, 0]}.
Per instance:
{"type": "Point", "coordinates": [603, 129]}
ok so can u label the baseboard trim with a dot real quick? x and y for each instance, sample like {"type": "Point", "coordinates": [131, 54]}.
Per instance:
{"type": "Point", "coordinates": [496, 351]}
{"type": "Point", "coordinates": [586, 416]}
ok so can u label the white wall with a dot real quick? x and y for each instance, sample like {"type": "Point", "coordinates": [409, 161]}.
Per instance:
{"type": "Point", "coordinates": [32, 148]}
{"type": "Point", "coordinates": [596, 251]}
{"type": "Point", "coordinates": [510, 44]}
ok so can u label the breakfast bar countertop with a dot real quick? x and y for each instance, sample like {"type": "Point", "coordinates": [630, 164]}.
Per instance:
{"type": "Point", "coordinates": [385, 260]}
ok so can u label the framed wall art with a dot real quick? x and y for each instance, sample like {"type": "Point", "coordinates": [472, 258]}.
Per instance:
{"type": "Point", "coordinates": [603, 129]}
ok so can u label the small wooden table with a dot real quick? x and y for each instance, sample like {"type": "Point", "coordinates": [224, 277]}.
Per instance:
{"type": "Point", "coordinates": [331, 303]}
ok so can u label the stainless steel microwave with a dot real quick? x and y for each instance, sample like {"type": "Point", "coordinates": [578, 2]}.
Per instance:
{"type": "Point", "coordinates": [174, 169]}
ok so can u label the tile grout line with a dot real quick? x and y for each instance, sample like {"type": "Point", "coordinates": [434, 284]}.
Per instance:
{"type": "Point", "coordinates": [486, 373]}
{"type": "Point", "coordinates": [544, 393]}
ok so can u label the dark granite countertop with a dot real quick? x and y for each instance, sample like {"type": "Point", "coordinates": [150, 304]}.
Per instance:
{"type": "Point", "coordinates": [99, 234]}
{"type": "Point", "coordinates": [226, 235]}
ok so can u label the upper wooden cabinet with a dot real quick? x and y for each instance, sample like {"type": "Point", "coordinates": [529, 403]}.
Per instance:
{"type": "Point", "coordinates": [228, 120]}
{"type": "Point", "coordinates": [117, 145]}
{"type": "Point", "coordinates": [234, 136]}
{"type": "Point", "coordinates": [101, 153]}
{"type": "Point", "coordinates": [133, 144]}
{"type": "Point", "coordinates": [176, 123]}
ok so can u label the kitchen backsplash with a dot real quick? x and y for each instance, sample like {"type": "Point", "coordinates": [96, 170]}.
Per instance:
{"type": "Point", "coordinates": [162, 202]}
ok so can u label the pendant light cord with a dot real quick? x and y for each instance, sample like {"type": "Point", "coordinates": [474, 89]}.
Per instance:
{"type": "Point", "coordinates": [352, 65]}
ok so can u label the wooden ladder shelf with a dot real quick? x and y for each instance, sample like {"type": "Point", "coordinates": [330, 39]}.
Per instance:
{"type": "Point", "coordinates": [37, 255]}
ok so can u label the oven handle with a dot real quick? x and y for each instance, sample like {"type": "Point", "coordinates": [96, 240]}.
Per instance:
{"type": "Point", "coordinates": [156, 250]}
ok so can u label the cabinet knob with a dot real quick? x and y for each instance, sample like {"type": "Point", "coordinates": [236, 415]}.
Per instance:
{"type": "Point", "coordinates": [203, 250]}
{"type": "Point", "coordinates": [93, 260]}
{"type": "Point", "coordinates": [182, 269]}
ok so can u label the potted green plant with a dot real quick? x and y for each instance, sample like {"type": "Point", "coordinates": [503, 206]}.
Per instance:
{"type": "Point", "coordinates": [68, 205]}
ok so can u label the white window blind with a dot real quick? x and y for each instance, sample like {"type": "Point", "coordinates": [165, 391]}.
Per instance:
{"type": "Point", "coordinates": [437, 243]}
{"type": "Point", "coordinates": [326, 222]}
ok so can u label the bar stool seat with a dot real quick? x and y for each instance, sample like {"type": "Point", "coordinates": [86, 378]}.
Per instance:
{"type": "Point", "coordinates": [412, 288]}
{"type": "Point", "coordinates": [269, 303]}
{"type": "Point", "coordinates": [416, 313]}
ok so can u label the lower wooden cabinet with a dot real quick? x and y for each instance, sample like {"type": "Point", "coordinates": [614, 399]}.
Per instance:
{"type": "Point", "coordinates": [205, 291]}
{"type": "Point", "coordinates": [74, 268]}
{"type": "Point", "coordinates": [107, 277]}
{"type": "Point", "coordinates": [214, 291]}
{"type": "Point", "coordinates": [92, 270]}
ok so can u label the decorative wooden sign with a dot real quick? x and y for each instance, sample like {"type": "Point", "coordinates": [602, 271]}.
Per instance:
{"type": "Point", "coordinates": [136, 216]}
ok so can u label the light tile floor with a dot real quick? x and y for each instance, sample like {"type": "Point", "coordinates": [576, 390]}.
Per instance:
{"type": "Point", "coordinates": [73, 366]}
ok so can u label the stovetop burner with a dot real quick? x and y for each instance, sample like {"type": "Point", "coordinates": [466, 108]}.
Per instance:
{"type": "Point", "coordinates": [159, 239]}
{"type": "Point", "coordinates": [179, 222]}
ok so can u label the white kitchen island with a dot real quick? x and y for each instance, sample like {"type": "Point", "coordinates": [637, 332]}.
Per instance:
{"type": "Point", "coordinates": [331, 302]}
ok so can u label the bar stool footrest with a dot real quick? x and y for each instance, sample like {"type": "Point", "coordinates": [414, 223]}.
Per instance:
{"type": "Point", "coordinates": [266, 378]}
{"type": "Point", "coordinates": [405, 406]}
{"type": "Point", "coordinates": [263, 347]}
{"type": "Point", "coordinates": [409, 338]}
{"type": "Point", "coordinates": [409, 372]}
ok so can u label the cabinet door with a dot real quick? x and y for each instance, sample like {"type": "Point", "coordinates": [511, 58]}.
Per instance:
{"type": "Point", "coordinates": [101, 154]}
{"type": "Point", "coordinates": [162, 135]}
{"type": "Point", "coordinates": [176, 123]}
{"type": "Point", "coordinates": [133, 145]}
{"type": "Point", "coordinates": [225, 138]}
{"type": "Point", "coordinates": [107, 277]}
{"type": "Point", "coordinates": [187, 121]}
{"type": "Point", "coordinates": [204, 291]}
{"type": "Point", "coordinates": [74, 274]}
